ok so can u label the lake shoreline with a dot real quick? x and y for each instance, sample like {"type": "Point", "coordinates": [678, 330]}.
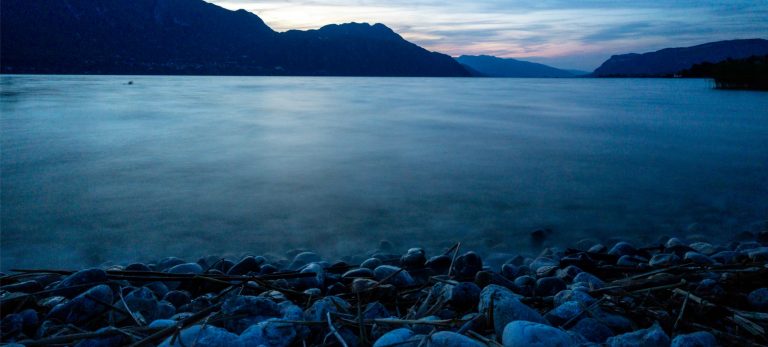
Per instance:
{"type": "Point", "coordinates": [676, 291]}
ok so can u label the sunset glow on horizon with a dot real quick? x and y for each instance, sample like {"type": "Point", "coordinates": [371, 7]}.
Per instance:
{"type": "Point", "coordinates": [557, 32]}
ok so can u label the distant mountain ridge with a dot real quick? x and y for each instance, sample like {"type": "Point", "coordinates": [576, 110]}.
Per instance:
{"type": "Point", "coordinates": [196, 37]}
{"type": "Point", "coordinates": [490, 66]}
{"type": "Point", "coordinates": [670, 61]}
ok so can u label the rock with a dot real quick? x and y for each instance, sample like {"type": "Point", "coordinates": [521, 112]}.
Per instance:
{"type": "Point", "coordinates": [549, 286]}
{"type": "Point", "coordinates": [245, 266]}
{"type": "Point", "coordinates": [673, 242]}
{"type": "Point", "coordinates": [113, 340]}
{"type": "Point", "coordinates": [83, 307]}
{"type": "Point", "coordinates": [728, 257]}
{"type": "Point", "coordinates": [177, 297]}
{"type": "Point", "coordinates": [142, 301]}
{"type": "Point", "coordinates": [137, 267]}
{"type": "Point", "coordinates": [511, 271]}
{"type": "Point", "coordinates": [598, 248]}
{"type": "Point", "coordinates": [525, 285]}
{"type": "Point", "coordinates": [703, 248]}
{"type": "Point", "coordinates": [591, 281]}
{"type": "Point", "coordinates": [320, 308]}
{"type": "Point", "coordinates": [267, 269]}
{"type": "Point", "coordinates": [623, 248]}
{"type": "Point", "coordinates": [164, 310]}
{"type": "Point", "coordinates": [464, 296]}
{"type": "Point", "coordinates": [592, 330]}
{"type": "Point", "coordinates": [375, 310]}
{"type": "Point", "coordinates": [758, 254]}
{"type": "Point", "coordinates": [199, 336]}
{"type": "Point", "coordinates": [80, 278]}
{"type": "Point", "coordinates": [709, 289]}
{"type": "Point", "coordinates": [758, 299]}
{"type": "Point", "coordinates": [414, 258]}
{"type": "Point", "coordinates": [186, 268]}
{"type": "Point", "coordinates": [358, 273]}
{"type": "Point", "coordinates": [272, 333]}
{"type": "Point", "coordinates": [529, 334]}
{"type": "Point", "coordinates": [547, 271]}
{"type": "Point", "coordinates": [439, 264]}
{"type": "Point", "coordinates": [362, 284]}
{"type": "Point", "coordinates": [402, 279]}
{"type": "Point", "coordinates": [697, 339]}
{"type": "Point", "coordinates": [451, 339]}
{"type": "Point", "coordinates": [617, 323]}
{"type": "Point", "coordinates": [568, 273]}
{"type": "Point", "coordinates": [395, 337]}
{"type": "Point", "coordinates": [256, 309]}
{"type": "Point", "coordinates": [564, 312]}
{"type": "Point", "coordinates": [167, 263]}
{"type": "Point", "coordinates": [318, 281]}
{"type": "Point", "coordinates": [664, 260]}
{"type": "Point", "coordinates": [652, 336]}
{"type": "Point", "coordinates": [467, 265]}
{"type": "Point", "coordinates": [159, 288]}
{"type": "Point", "coordinates": [371, 263]}
{"type": "Point", "coordinates": [304, 258]}
{"type": "Point", "coordinates": [11, 326]}
{"type": "Point", "coordinates": [630, 260]}
{"type": "Point", "coordinates": [579, 296]}
{"type": "Point", "coordinates": [506, 307]}
{"type": "Point", "coordinates": [542, 262]}
{"type": "Point", "coordinates": [698, 258]}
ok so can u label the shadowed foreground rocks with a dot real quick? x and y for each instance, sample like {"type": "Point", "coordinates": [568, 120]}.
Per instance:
{"type": "Point", "coordinates": [677, 293]}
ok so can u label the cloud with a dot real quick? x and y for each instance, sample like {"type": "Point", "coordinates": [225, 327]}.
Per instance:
{"type": "Point", "coordinates": [569, 34]}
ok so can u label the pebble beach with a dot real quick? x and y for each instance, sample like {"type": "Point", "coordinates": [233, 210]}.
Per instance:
{"type": "Point", "coordinates": [674, 293]}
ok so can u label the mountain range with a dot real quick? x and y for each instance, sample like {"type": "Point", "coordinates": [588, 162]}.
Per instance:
{"type": "Point", "coordinates": [671, 61]}
{"type": "Point", "coordinates": [490, 66]}
{"type": "Point", "coordinates": [196, 37]}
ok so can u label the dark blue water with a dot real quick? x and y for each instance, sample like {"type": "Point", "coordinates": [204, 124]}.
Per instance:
{"type": "Point", "coordinates": [94, 170]}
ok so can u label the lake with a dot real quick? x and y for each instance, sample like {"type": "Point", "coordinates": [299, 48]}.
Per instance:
{"type": "Point", "coordinates": [95, 170]}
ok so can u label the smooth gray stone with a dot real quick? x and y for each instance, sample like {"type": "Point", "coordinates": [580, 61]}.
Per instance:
{"type": "Point", "coordinates": [529, 334]}
{"type": "Point", "coordinates": [506, 307]}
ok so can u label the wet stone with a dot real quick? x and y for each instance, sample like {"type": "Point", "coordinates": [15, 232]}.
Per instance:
{"type": "Point", "coordinates": [80, 278]}
{"type": "Point", "coordinates": [320, 308]}
{"type": "Point", "coordinates": [698, 258]}
{"type": "Point", "coordinates": [245, 266]}
{"type": "Point", "coordinates": [591, 281]}
{"type": "Point", "coordinates": [579, 296]}
{"type": "Point", "coordinates": [177, 297]}
{"type": "Point", "coordinates": [697, 339]}
{"type": "Point", "coordinates": [623, 248]}
{"type": "Point", "coordinates": [167, 263]}
{"type": "Point", "coordinates": [530, 334]}
{"type": "Point", "coordinates": [394, 338]}
{"type": "Point", "coordinates": [199, 336]}
{"type": "Point", "coordinates": [303, 259]}
{"type": "Point", "coordinates": [630, 261]}
{"type": "Point", "coordinates": [83, 307]}
{"type": "Point", "coordinates": [272, 332]}
{"type": "Point", "coordinates": [401, 279]}
{"type": "Point", "coordinates": [652, 336]}
{"type": "Point", "coordinates": [705, 248]}
{"type": "Point", "coordinates": [439, 264]}
{"type": "Point", "coordinates": [467, 265]}
{"type": "Point", "coordinates": [23, 287]}
{"type": "Point", "coordinates": [758, 299]}
{"type": "Point", "coordinates": [664, 260]}
{"type": "Point", "coordinates": [564, 313]}
{"type": "Point", "coordinates": [451, 339]}
{"type": "Point", "coordinates": [371, 264]}
{"type": "Point", "coordinates": [592, 330]}
{"type": "Point", "coordinates": [464, 296]}
{"type": "Point", "coordinates": [414, 258]}
{"type": "Point", "coordinates": [549, 286]}
{"type": "Point", "coordinates": [728, 257]}
{"type": "Point", "coordinates": [186, 268]}
{"type": "Point", "coordinates": [506, 307]}
{"type": "Point", "coordinates": [358, 273]}
{"type": "Point", "coordinates": [256, 309]}
{"type": "Point", "coordinates": [598, 248]}
{"type": "Point", "coordinates": [113, 340]}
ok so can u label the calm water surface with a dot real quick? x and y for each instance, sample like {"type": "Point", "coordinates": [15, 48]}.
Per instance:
{"type": "Point", "coordinates": [94, 170]}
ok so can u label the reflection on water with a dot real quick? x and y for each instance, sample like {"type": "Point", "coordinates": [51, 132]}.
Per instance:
{"type": "Point", "coordinates": [96, 170]}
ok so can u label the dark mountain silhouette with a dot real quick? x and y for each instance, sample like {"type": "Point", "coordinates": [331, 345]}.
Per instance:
{"type": "Point", "coordinates": [491, 66]}
{"type": "Point", "coordinates": [195, 37]}
{"type": "Point", "coordinates": [750, 73]}
{"type": "Point", "coordinates": [670, 61]}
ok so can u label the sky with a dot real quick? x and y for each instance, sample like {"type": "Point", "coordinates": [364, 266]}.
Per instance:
{"type": "Point", "coordinates": [570, 34]}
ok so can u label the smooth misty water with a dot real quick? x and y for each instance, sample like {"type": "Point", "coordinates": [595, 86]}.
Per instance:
{"type": "Point", "coordinates": [96, 170]}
